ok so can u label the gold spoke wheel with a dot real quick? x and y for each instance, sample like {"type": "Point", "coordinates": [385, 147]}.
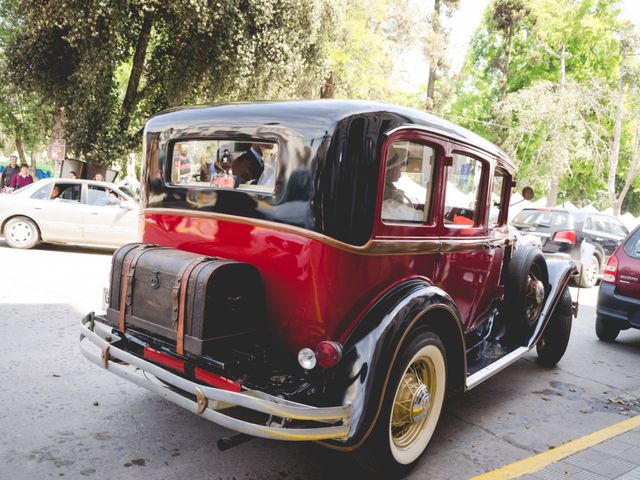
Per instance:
{"type": "Point", "coordinates": [413, 403]}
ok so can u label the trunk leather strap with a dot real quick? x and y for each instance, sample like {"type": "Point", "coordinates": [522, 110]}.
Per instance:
{"type": "Point", "coordinates": [128, 270]}
{"type": "Point", "coordinates": [132, 269]}
{"type": "Point", "coordinates": [182, 307]}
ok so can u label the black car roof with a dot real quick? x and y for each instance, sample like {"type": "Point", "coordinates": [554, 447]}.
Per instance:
{"type": "Point", "coordinates": [320, 116]}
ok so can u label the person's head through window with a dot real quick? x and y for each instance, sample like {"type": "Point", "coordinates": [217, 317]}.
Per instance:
{"type": "Point", "coordinates": [13, 160]}
{"type": "Point", "coordinates": [248, 167]}
{"type": "Point", "coordinates": [396, 159]}
{"type": "Point", "coordinates": [73, 175]}
{"type": "Point", "coordinates": [24, 170]}
{"type": "Point", "coordinates": [55, 193]}
{"type": "Point", "coordinates": [98, 177]}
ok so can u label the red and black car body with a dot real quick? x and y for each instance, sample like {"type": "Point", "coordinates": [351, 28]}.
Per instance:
{"type": "Point", "coordinates": [341, 278]}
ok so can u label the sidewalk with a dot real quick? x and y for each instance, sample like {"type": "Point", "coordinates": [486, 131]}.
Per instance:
{"type": "Point", "coordinates": [610, 453]}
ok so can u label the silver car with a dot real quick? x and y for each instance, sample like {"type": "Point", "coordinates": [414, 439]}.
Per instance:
{"type": "Point", "coordinates": [68, 211]}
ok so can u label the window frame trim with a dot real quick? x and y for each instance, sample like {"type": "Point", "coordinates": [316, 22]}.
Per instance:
{"type": "Point", "coordinates": [409, 230]}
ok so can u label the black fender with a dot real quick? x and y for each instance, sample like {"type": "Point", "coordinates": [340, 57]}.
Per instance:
{"type": "Point", "coordinates": [560, 272]}
{"type": "Point", "coordinates": [371, 349]}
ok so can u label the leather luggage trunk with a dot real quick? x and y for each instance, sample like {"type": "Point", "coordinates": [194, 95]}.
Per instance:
{"type": "Point", "coordinates": [192, 300]}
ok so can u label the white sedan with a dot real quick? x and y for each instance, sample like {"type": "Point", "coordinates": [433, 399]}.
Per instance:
{"type": "Point", "coordinates": [68, 211]}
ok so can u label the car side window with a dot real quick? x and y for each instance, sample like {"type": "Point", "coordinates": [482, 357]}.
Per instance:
{"type": "Point", "coordinates": [463, 185]}
{"type": "Point", "coordinates": [600, 225]}
{"type": "Point", "coordinates": [102, 197]}
{"type": "Point", "coordinates": [43, 193]}
{"type": "Point", "coordinates": [498, 195]}
{"type": "Point", "coordinates": [408, 182]}
{"type": "Point", "coordinates": [588, 224]}
{"type": "Point", "coordinates": [632, 246]}
{"type": "Point", "coordinates": [617, 228]}
{"type": "Point", "coordinates": [65, 192]}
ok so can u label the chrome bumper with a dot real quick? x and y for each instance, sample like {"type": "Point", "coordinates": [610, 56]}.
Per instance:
{"type": "Point", "coordinates": [96, 344]}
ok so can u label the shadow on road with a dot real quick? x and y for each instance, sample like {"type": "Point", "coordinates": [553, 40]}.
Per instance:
{"type": "Point", "coordinates": [51, 247]}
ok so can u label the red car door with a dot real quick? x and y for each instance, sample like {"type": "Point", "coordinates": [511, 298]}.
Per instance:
{"type": "Point", "coordinates": [472, 253]}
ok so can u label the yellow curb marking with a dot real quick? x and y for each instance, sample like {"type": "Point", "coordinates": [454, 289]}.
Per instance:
{"type": "Point", "coordinates": [544, 459]}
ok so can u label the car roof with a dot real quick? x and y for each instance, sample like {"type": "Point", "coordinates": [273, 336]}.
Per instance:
{"type": "Point", "coordinates": [320, 115]}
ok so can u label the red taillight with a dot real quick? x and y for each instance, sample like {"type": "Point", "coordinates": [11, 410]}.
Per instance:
{"type": "Point", "coordinates": [328, 354]}
{"type": "Point", "coordinates": [565, 236]}
{"type": "Point", "coordinates": [164, 359]}
{"type": "Point", "coordinates": [217, 381]}
{"type": "Point", "coordinates": [610, 269]}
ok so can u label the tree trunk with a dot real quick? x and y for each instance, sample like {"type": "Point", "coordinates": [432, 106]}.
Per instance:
{"type": "Point", "coordinates": [634, 170]}
{"type": "Point", "coordinates": [505, 63]}
{"type": "Point", "coordinates": [328, 90]}
{"type": "Point", "coordinates": [552, 193]}
{"type": "Point", "coordinates": [58, 133]}
{"type": "Point", "coordinates": [615, 152]}
{"type": "Point", "coordinates": [20, 149]}
{"type": "Point", "coordinates": [130, 98]}
{"type": "Point", "coordinates": [59, 119]}
{"type": "Point", "coordinates": [433, 63]}
{"type": "Point", "coordinates": [34, 166]}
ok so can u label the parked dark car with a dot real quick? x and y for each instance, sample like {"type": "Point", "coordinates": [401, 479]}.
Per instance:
{"type": "Point", "coordinates": [348, 267]}
{"type": "Point", "coordinates": [562, 232]}
{"type": "Point", "coordinates": [619, 295]}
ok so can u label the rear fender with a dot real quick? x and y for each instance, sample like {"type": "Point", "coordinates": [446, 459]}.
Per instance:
{"type": "Point", "coordinates": [372, 347]}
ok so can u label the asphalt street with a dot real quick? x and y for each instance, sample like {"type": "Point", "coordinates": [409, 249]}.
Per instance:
{"type": "Point", "coordinates": [61, 416]}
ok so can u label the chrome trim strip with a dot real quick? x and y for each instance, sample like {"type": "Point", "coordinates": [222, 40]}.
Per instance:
{"type": "Point", "coordinates": [250, 399]}
{"type": "Point", "coordinates": [374, 247]}
{"type": "Point", "coordinates": [497, 366]}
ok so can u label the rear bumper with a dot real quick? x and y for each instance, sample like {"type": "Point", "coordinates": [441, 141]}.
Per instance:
{"type": "Point", "coordinates": [617, 309]}
{"type": "Point", "coordinates": [96, 344]}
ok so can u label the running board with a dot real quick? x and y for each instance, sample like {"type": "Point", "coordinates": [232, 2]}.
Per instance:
{"type": "Point", "coordinates": [495, 367]}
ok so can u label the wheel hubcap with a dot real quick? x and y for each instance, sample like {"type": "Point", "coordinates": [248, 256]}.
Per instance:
{"type": "Point", "coordinates": [412, 403]}
{"type": "Point", "coordinates": [591, 273]}
{"type": "Point", "coordinates": [20, 232]}
{"type": "Point", "coordinates": [534, 296]}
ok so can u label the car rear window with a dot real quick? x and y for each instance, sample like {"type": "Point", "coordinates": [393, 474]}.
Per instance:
{"type": "Point", "coordinates": [543, 218]}
{"type": "Point", "coordinates": [249, 166]}
{"type": "Point", "coordinates": [632, 246]}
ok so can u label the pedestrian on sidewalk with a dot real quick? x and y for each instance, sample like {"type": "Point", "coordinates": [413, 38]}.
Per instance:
{"type": "Point", "coordinates": [22, 179]}
{"type": "Point", "coordinates": [9, 172]}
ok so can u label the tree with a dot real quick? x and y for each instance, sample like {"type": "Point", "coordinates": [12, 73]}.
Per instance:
{"type": "Point", "coordinates": [538, 48]}
{"type": "Point", "coordinates": [23, 117]}
{"type": "Point", "coordinates": [360, 56]}
{"type": "Point", "coordinates": [629, 42]}
{"type": "Point", "coordinates": [76, 53]}
{"type": "Point", "coordinates": [549, 125]}
{"type": "Point", "coordinates": [436, 44]}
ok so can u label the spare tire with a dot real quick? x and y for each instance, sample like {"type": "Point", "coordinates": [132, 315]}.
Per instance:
{"type": "Point", "coordinates": [525, 290]}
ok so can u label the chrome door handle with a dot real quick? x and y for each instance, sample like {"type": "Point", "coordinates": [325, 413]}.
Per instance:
{"type": "Point", "coordinates": [95, 213]}
{"type": "Point", "coordinates": [37, 208]}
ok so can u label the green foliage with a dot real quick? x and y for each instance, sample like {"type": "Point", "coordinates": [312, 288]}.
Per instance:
{"type": "Point", "coordinates": [510, 90]}
{"type": "Point", "coordinates": [79, 54]}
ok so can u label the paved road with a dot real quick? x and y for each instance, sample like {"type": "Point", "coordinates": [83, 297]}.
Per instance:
{"type": "Point", "coordinates": [63, 417]}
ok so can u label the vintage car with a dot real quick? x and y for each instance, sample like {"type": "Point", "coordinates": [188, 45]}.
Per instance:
{"type": "Point", "coordinates": [325, 270]}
